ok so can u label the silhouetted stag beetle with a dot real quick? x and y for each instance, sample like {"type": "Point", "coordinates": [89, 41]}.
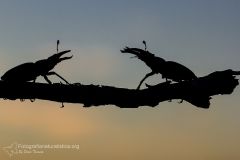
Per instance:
{"type": "Point", "coordinates": [30, 71]}
{"type": "Point", "coordinates": [169, 69]}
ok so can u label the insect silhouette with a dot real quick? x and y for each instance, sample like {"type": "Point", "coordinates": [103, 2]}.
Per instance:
{"type": "Point", "coordinates": [58, 42]}
{"type": "Point", "coordinates": [169, 70]}
{"type": "Point", "coordinates": [30, 71]}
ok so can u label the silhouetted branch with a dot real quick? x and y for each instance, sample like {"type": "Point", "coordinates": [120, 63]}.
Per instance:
{"type": "Point", "coordinates": [196, 92]}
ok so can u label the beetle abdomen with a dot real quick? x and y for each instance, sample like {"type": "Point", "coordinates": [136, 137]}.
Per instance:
{"type": "Point", "coordinates": [21, 73]}
{"type": "Point", "coordinates": [177, 72]}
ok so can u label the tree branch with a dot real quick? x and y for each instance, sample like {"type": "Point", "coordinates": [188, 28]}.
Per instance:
{"type": "Point", "coordinates": [197, 92]}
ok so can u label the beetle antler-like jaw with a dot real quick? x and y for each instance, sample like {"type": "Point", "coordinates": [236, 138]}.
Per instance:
{"type": "Point", "coordinates": [65, 58]}
{"type": "Point", "coordinates": [57, 56]}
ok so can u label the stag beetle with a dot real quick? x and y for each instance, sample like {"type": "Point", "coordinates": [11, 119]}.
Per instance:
{"type": "Point", "coordinates": [30, 71]}
{"type": "Point", "coordinates": [169, 69]}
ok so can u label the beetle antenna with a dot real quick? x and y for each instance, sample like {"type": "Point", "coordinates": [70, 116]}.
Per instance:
{"type": "Point", "coordinates": [144, 42]}
{"type": "Point", "coordinates": [57, 45]}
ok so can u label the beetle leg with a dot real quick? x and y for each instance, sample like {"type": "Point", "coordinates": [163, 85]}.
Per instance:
{"type": "Point", "coordinates": [181, 101]}
{"type": "Point", "coordinates": [62, 105]}
{"type": "Point", "coordinates": [146, 76]}
{"type": "Point", "coordinates": [54, 73]}
{"type": "Point", "coordinates": [46, 78]}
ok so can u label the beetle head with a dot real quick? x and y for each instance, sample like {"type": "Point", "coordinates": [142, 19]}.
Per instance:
{"type": "Point", "coordinates": [45, 65]}
{"type": "Point", "coordinates": [56, 58]}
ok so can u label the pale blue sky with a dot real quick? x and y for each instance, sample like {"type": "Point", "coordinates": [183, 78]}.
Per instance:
{"type": "Point", "coordinates": [204, 35]}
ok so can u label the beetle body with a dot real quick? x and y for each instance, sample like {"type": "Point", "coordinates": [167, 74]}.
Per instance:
{"type": "Point", "coordinates": [30, 71]}
{"type": "Point", "coordinates": [168, 69]}
{"type": "Point", "coordinates": [177, 72]}
{"type": "Point", "coordinates": [21, 73]}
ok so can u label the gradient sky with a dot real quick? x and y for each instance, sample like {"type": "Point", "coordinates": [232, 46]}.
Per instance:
{"type": "Point", "coordinates": [204, 35]}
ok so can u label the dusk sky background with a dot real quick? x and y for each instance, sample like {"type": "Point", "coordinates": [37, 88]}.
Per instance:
{"type": "Point", "coordinates": [203, 35]}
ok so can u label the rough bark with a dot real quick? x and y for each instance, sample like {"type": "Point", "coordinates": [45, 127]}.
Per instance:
{"type": "Point", "coordinates": [197, 92]}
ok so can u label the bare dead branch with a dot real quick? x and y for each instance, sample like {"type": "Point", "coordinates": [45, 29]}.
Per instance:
{"type": "Point", "coordinates": [197, 92]}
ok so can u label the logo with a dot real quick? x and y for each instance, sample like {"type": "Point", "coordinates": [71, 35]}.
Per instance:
{"type": "Point", "coordinates": [12, 149]}
{"type": "Point", "coordinates": [19, 149]}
